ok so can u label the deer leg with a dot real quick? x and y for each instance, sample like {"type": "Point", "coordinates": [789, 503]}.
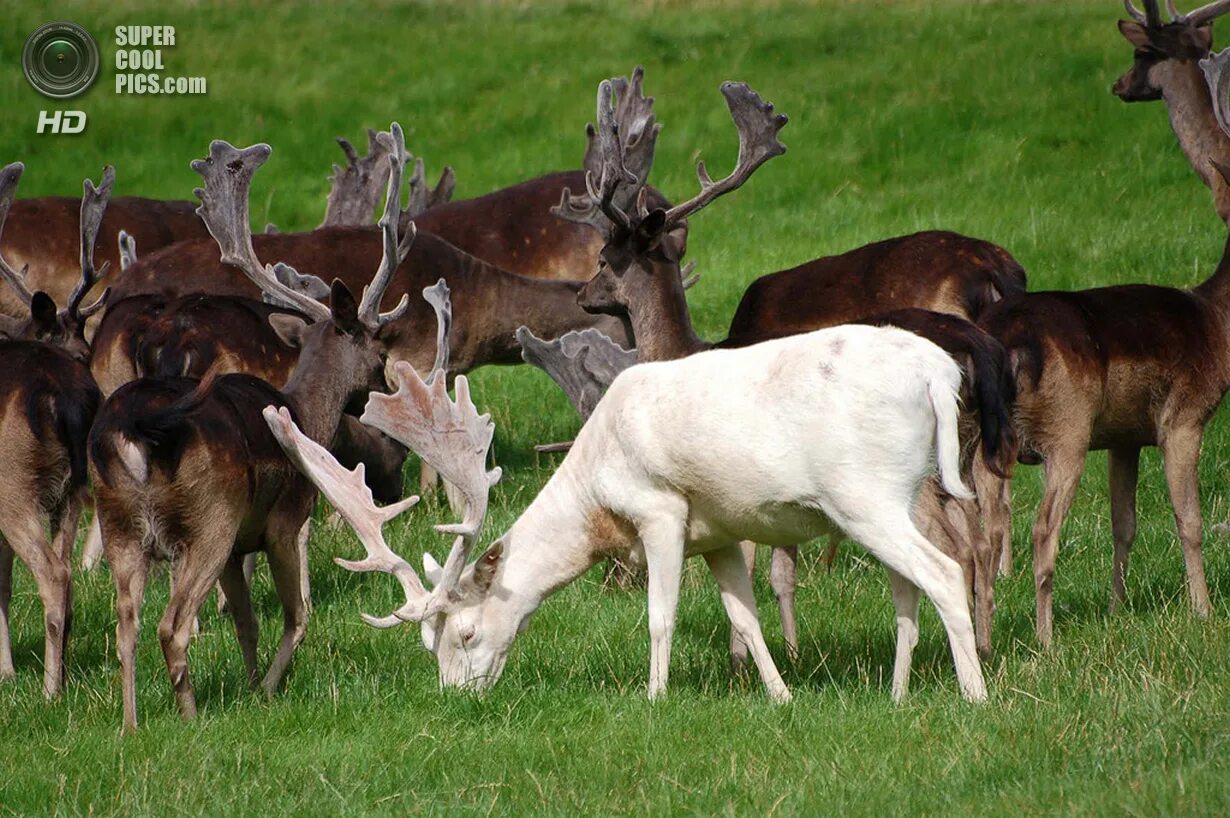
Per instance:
{"type": "Point", "coordinates": [1062, 473]}
{"type": "Point", "coordinates": [902, 548]}
{"type": "Point", "coordinates": [1181, 456]}
{"type": "Point", "coordinates": [995, 502]}
{"type": "Point", "coordinates": [905, 601]}
{"type": "Point", "coordinates": [984, 572]}
{"type": "Point", "coordinates": [29, 541]}
{"type": "Point", "coordinates": [783, 575]}
{"type": "Point", "coordinates": [301, 544]}
{"type": "Point", "coordinates": [1124, 468]}
{"type": "Point", "coordinates": [129, 569]}
{"type": "Point", "coordinates": [224, 605]}
{"type": "Point", "coordinates": [738, 648]}
{"type": "Point", "coordinates": [663, 542]}
{"type": "Point", "coordinates": [92, 551]}
{"type": "Point", "coordinates": [284, 563]}
{"type": "Point", "coordinates": [195, 573]}
{"type": "Point", "coordinates": [7, 671]}
{"type": "Point", "coordinates": [428, 478]}
{"type": "Point", "coordinates": [235, 583]}
{"type": "Point", "coordinates": [729, 568]}
{"type": "Point", "coordinates": [64, 536]}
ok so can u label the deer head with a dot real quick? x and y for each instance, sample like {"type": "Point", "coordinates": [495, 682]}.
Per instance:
{"type": "Point", "coordinates": [63, 328]}
{"type": "Point", "coordinates": [1158, 45]}
{"type": "Point", "coordinates": [346, 338]}
{"type": "Point", "coordinates": [642, 244]}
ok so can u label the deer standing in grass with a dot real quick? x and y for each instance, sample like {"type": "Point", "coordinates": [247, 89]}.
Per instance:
{"type": "Point", "coordinates": [833, 428]}
{"type": "Point", "coordinates": [640, 278]}
{"type": "Point", "coordinates": [1116, 368]}
{"type": "Point", "coordinates": [47, 403]}
{"type": "Point", "coordinates": [1166, 66]}
{"type": "Point", "coordinates": [189, 471]}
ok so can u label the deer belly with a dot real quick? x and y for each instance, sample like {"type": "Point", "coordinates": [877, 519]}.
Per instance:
{"type": "Point", "coordinates": [712, 525]}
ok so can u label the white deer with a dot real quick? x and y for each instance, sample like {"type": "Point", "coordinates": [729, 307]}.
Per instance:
{"type": "Point", "coordinates": [834, 428]}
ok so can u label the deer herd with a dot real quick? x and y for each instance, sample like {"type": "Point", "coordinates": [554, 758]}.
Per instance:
{"type": "Point", "coordinates": [221, 380]}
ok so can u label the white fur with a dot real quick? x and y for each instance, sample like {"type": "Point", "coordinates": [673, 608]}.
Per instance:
{"type": "Point", "coordinates": [776, 443]}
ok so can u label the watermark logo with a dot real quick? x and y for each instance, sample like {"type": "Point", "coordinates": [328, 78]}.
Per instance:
{"type": "Point", "coordinates": [60, 60]}
{"type": "Point", "coordinates": [61, 121]}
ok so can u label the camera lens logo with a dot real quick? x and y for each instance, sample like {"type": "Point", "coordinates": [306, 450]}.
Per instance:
{"type": "Point", "coordinates": [60, 59]}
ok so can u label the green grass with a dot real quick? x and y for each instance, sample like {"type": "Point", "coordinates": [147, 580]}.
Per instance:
{"type": "Point", "coordinates": [993, 119]}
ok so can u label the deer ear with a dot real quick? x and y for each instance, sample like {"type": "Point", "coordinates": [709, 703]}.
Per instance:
{"type": "Point", "coordinates": [1200, 39]}
{"type": "Point", "coordinates": [345, 308]}
{"type": "Point", "coordinates": [487, 565]}
{"type": "Point", "coordinates": [1134, 33]}
{"type": "Point", "coordinates": [289, 328]}
{"type": "Point", "coordinates": [652, 224]}
{"type": "Point", "coordinates": [1222, 169]}
{"type": "Point", "coordinates": [43, 311]}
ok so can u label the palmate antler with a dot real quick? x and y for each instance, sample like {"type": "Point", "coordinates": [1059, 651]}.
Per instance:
{"type": "Point", "coordinates": [424, 198]}
{"type": "Point", "coordinates": [355, 189]}
{"type": "Point", "coordinates": [10, 176]}
{"type": "Point", "coordinates": [93, 204]}
{"type": "Point", "coordinates": [582, 363]}
{"type": "Point", "coordinates": [617, 191]}
{"type": "Point", "coordinates": [1152, 18]}
{"type": "Point", "coordinates": [452, 438]}
{"type": "Point", "coordinates": [228, 175]}
{"type": "Point", "coordinates": [1216, 69]}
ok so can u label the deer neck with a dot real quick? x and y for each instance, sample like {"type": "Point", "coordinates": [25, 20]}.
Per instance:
{"type": "Point", "coordinates": [319, 394]}
{"type": "Point", "coordinates": [548, 308]}
{"type": "Point", "coordinates": [661, 322]}
{"type": "Point", "coordinates": [551, 544]}
{"type": "Point", "coordinates": [1195, 125]}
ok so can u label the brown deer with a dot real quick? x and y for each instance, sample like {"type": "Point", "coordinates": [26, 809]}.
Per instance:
{"type": "Point", "coordinates": [1116, 368]}
{"type": "Point", "coordinates": [42, 321]}
{"type": "Point", "coordinates": [639, 277]}
{"type": "Point", "coordinates": [1166, 67]}
{"type": "Point", "coordinates": [189, 471]}
{"type": "Point", "coordinates": [43, 231]}
{"type": "Point", "coordinates": [47, 403]}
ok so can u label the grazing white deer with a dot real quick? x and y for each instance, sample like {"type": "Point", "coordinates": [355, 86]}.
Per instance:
{"type": "Point", "coordinates": [837, 427]}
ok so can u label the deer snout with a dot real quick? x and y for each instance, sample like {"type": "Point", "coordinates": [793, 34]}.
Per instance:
{"type": "Point", "coordinates": [1132, 87]}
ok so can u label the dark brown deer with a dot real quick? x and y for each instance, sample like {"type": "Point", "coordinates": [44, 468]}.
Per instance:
{"type": "Point", "coordinates": [48, 402]}
{"type": "Point", "coordinates": [1166, 67]}
{"type": "Point", "coordinates": [1116, 368]}
{"type": "Point", "coordinates": [639, 277]}
{"type": "Point", "coordinates": [190, 471]}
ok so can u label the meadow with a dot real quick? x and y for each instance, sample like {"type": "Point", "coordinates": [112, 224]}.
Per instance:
{"type": "Point", "coordinates": [990, 118]}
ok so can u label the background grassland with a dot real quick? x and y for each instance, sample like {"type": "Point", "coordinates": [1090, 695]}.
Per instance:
{"type": "Point", "coordinates": [991, 118]}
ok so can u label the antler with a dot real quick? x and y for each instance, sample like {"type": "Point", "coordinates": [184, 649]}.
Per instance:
{"type": "Point", "coordinates": [348, 493]}
{"type": "Point", "coordinates": [1200, 16]}
{"type": "Point", "coordinates": [1151, 17]}
{"type": "Point", "coordinates": [618, 156]}
{"type": "Point", "coordinates": [423, 198]}
{"type": "Point", "coordinates": [583, 363]}
{"type": "Point", "coordinates": [10, 175]}
{"type": "Point", "coordinates": [224, 209]}
{"type": "Point", "coordinates": [356, 188]}
{"type": "Point", "coordinates": [309, 285]}
{"type": "Point", "coordinates": [758, 143]}
{"type": "Point", "coordinates": [128, 250]}
{"type": "Point", "coordinates": [93, 205]}
{"type": "Point", "coordinates": [454, 439]}
{"type": "Point", "coordinates": [394, 251]}
{"type": "Point", "coordinates": [1216, 69]}
{"type": "Point", "coordinates": [437, 296]}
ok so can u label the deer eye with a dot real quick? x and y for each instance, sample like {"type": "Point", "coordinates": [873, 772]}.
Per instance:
{"type": "Point", "coordinates": [467, 635]}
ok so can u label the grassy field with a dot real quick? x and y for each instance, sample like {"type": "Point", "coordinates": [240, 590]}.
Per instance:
{"type": "Point", "coordinates": [990, 118]}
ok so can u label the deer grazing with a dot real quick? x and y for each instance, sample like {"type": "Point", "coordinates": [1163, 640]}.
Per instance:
{"type": "Point", "coordinates": [1116, 369]}
{"type": "Point", "coordinates": [1166, 66]}
{"type": "Point", "coordinates": [188, 471]}
{"type": "Point", "coordinates": [49, 401]}
{"type": "Point", "coordinates": [639, 278]}
{"type": "Point", "coordinates": [837, 428]}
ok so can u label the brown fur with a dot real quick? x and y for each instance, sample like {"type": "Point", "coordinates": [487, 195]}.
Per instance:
{"type": "Point", "coordinates": [1115, 368]}
{"type": "Point", "coordinates": [44, 233]}
{"type": "Point", "coordinates": [47, 402]}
